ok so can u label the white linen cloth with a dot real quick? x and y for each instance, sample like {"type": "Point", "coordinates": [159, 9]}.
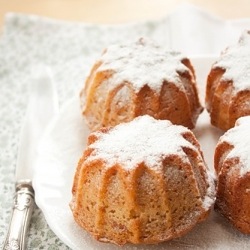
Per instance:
{"type": "Point", "coordinates": [69, 49]}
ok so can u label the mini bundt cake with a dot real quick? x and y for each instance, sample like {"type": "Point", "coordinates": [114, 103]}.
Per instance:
{"type": "Point", "coordinates": [232, 164]}
{"type": "Point", "coordinates": [137, 79]}
{"type": "Point", "coordinates": [228, 85]}
{"type": "Point", "coordinates": [144, 181]}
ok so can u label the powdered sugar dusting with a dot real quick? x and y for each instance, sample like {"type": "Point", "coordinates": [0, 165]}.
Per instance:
{"type": "Point", "coordinates": [142, 140]}
{"type": "Point", "coordinates": [142, 63]}
{"type": "Point", "coordinates": [239, 137]}
{"type": "Point", "coordinates": [209, 199]}
{"type": "Point", "coordinates": [236, 61]}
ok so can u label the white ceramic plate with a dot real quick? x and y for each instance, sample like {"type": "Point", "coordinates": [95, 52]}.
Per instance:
{"type": "Point", "coordinates": [59, 153]}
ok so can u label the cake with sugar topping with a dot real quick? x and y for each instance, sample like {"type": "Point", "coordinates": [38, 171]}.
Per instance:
{"type": "Point", "coordinates": [228, 85]}
{"type": "Point", "coordinates": [144, 181]}
{"type": "Point", "coordinates": [232, 164]}
{"type": "Point", "coordinates": [140, 78]}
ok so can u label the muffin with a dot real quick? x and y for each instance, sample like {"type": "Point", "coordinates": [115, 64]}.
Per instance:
{"type": "Point", "coordinates": [140, 78]}
{"type": "Point", "coordinates": [144, 181]}
{"type": "Point", "coordinates": [232, 164]}
{"type": "Point", "coordinates": [228, 85]}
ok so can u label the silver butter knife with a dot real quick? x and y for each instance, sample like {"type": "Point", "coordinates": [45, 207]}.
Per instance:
{"type": "Point", "coordinates": [42, 107]}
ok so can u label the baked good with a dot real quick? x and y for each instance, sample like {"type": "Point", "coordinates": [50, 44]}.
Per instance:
{"type": "Point", "coordinates": [144, 181]}
{"type": "Point", "coordinates": [140, 78]}
{"type": "Point", "coordinates": [232, 164]}
{"type": "Point", "coordinates": [228, 85]}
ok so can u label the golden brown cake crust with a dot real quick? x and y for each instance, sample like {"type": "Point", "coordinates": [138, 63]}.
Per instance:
{"type": "Point", "coordinates": [233, 170]}
{"type": "Point", "coordinates": [137, 79]}
{"type": "Point", "coordinates": [141, 194]}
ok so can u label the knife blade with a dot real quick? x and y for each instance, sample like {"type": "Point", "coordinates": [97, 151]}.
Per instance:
{"type": "Point", "coordinates": [42, 107]}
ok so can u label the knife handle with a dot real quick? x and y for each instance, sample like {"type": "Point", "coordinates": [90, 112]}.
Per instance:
{"type": "Point", "coordinates": [22, 210]}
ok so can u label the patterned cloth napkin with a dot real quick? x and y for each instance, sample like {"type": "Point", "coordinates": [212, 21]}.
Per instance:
{"type": "Point", "coordinates": [69, 49]}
